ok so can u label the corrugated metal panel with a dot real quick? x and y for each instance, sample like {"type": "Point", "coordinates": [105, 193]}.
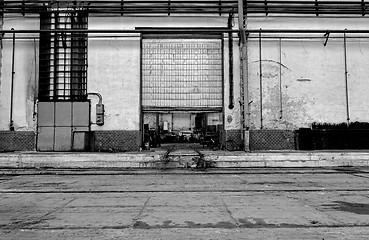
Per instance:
{"type": "Point", "coordinates": [182, 73]}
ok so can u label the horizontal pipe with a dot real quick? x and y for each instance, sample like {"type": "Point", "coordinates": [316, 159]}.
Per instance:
{"type": "Point", "coordinates": [173, 2]}
{"type": "Point", "coordinates": [225, 6]}
{"type": "Point", "coordinates": [271, 38]}
{"type": "Point", "coordinates": [184, 30]}
{"type": "Point", "coordinates": [343, 11]}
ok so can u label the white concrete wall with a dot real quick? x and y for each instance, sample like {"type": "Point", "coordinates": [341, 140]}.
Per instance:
{"type": "Point", "coordinates": [25, 78]}
{"type": "Point", "coordinates": [312, 75]}
{"type": "Point", "coordinates": [114, 72]}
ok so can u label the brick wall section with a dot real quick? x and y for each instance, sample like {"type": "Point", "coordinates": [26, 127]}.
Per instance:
{"type": "Point", "coordinates": [272, 140]}
{"type": "Point", "coordinates": [17, 141]}
{"type": "Point", "coordinates": [117, 141]}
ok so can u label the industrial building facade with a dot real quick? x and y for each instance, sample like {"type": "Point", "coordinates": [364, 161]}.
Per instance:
{"type": "Point", "coordinates": [105, 75]}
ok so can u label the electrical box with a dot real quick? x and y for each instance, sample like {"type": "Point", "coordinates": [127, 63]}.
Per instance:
{"type": "Point", "coordinates": [100, 114]}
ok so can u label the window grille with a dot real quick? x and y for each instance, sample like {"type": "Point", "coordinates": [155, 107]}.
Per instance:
{"type": "Point", "coordinates": [63, 57]}
{"type": "Point", "coordinates": [182, 73]}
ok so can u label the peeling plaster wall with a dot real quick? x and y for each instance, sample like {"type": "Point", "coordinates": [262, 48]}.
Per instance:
{"type": "Point", "coordinates": [312, 75]}
{"type": "Point", "coordinates": [25, 78]}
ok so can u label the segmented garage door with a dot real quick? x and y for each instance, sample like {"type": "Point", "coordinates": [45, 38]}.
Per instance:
{"type": "Point", "coordinates": [182, 73]}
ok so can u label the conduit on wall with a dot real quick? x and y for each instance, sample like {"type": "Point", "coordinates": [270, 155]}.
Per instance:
{"type": "Point", "coordinates": [230, 49]}
{"type": "Point", "coordinates": [346, 78]}
{"type": "Point", "coordinates": [280, 79]}
{"type": "Point", "coordinates": [36, 78]}
{"type": "Point", "coordinates": [261, 82]}
{"type": "Point", "coordinates": [204, 30]}
{"type": "Point", "coordinates": [11, 122]}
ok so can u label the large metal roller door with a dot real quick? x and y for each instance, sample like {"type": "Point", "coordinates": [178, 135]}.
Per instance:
{"type": "Point", "coordinates": [182, 74]}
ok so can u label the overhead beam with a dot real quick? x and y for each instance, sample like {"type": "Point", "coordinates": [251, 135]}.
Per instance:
{"type": "Point", "coordinates": [167, 7]}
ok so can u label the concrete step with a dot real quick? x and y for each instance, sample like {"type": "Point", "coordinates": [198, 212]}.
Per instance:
{"type": "Point", "coordinates": [217, 159]}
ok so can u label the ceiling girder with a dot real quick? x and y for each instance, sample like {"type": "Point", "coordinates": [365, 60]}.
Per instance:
{"type": "Point", "coordinates": [167, 7]}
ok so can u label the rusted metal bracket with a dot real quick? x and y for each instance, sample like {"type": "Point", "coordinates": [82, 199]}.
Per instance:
{"type": "Point", "coordinates": [220, 7]}
{"type": "Point", "coordinates": [363, 8]}
{"type": "Point", "coordinates": [168, 7]}
{"type": "Point", "coordinates": [326, 35]}
{"type": "Point", "coordinates": [266, 7]}
{"type": "Point", "coordinates": [23, 8]}
{"type": "Point", "coordinates": [317, 8]}
{"type": "Point", "coordinates": [165, 159]}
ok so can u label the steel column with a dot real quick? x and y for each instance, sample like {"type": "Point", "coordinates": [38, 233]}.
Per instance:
{"type": "Point", "coordinates": [244, 84]}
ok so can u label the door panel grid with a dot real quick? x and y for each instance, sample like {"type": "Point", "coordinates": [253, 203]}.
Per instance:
{"type": "Point", "coordinates": [182, 73]}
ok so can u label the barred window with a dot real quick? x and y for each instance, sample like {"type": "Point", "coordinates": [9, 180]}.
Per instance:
{"type": "Point", "coordinates": [63, 57]}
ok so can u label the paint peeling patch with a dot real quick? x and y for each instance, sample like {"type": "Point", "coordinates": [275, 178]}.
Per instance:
{"type": "Point", "coordinates": [229, 118]}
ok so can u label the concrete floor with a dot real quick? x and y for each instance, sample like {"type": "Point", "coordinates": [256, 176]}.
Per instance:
{"type": "Point", "coordinates": [183, 204]}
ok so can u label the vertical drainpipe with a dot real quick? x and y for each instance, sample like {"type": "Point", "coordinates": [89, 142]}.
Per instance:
{"type": "Point", "coordinates": [11, 124]}
{"type": "Point", "coordinates": [244, 79]}
{"type": "Point", "coordinates": [261, 82]}
{"type": "Point", "coordinates": [346, 78]}
{"type": "Point", "coordinates": [230, 49]}
{"type": "Point", "coordinates": [280, 79]}
{"type": "Point", "coordinates": [141, 120]}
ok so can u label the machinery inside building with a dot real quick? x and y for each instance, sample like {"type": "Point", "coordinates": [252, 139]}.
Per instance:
{"type": "Point", "coordinates": [201, 128]}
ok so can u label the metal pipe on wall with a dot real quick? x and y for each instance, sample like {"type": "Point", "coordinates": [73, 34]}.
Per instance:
{"type": "Point", "coordinates": [36, 78]}
{"type": "Point", "coordinates": [230, 49]}
{"type": "Point", "coordinates": [11, 122]}
{"type": "Point", "coordinates": [261, 82]}
{"type": "Point", "coordinates": [280, 79]}
{"type": "Point", "coordinates": [346, 78]}
{"type": "Point", "coordinates": [183, 30]}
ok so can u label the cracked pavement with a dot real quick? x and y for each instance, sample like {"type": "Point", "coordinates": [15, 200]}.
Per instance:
{"type": "Point", "coordinates": [171, 204]}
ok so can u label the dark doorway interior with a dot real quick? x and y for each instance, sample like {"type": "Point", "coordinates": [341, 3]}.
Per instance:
{"type": "Point", "coordinates": [182, 127]}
